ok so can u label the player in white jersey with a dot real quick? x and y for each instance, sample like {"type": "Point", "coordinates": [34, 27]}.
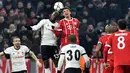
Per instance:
{"type": "Point", "coordinates": [17, 56]}
{"type": "Point", "coordinates": [48, 41]}
{"type": "Point", "coordinates": [72, 53]}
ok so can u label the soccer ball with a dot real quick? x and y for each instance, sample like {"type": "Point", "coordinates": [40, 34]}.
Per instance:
{"type": "Point", "coordinates": [58, 6]}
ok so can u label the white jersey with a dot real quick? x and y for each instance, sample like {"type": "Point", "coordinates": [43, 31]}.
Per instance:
{"type": "Point", "coordinates": [17, 57]}
{"type": "Point", "coordinates": [47, 34]}
{"type": "Point", "coordinates": [72, 53]}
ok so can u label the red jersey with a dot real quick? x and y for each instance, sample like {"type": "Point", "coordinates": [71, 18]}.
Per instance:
{"type": "Point", "coordinates": [103, 41]}
{"type": "Point", "coordinates": [119, 43]}
{"type": "Point", "coordinates": [68, 27]}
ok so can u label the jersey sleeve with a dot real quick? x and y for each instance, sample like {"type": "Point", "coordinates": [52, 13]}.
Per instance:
{"type": "Point", "coordinates": [62, 52]}
{"type": "Point", "coordinates": [39, 25]}
{"type": "Point", "coordinates": [84, 54]}
{"type": "Point", "coordinates": [78, 22]}
{"type": "Point", "coordinates": [7, 51]}
{"type": "Point", "coordinates": [26, 49]}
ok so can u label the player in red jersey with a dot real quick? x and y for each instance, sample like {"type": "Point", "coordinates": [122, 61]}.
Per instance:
{"type": "Point", "coordinates": [119, 43]}
{"type": "Point", "coordinates": [67, 26]}
{"type": "Point", "coordinates": [101, 45]}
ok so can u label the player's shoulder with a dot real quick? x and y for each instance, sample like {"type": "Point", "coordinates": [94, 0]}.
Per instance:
{"type": "Point", "coordinates": [121, 33]}
{"type": "Point", "coordinates": [11, 47]}
{"type": "Point", "coordinates": [23, 46]}
{"type": "Point", "coordinates": [62, 20]}
{"type": "Point", "coordinates": [102, 37]}
{"type": "Point", "coordinates": [44, 20]}
{"type": "Point", "coordinates": [66, 46]}
{"type": "Point", "coordinates": [76, 19]}
{"type": "Point", "coordinates": [79, 47]}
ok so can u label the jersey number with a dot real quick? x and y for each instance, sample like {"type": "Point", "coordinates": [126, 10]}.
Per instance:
{"type": "Point", "coordinates": [121, 43]}
{"type": "Point", "coordinates": [76, 55]}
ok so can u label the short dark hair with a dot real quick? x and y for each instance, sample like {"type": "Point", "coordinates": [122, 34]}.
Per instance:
{"type": "Point", "coordinates": [66, 8]}
{"type": "Point", "coordinates": [122, 24]}
{"type": "Point", "coordinates": [15, 38]}
{"type": "Point", "coordinates": [72, 38]}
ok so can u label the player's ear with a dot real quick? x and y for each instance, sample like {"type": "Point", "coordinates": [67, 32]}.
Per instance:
{"type": "Point", "coordinates": [13, 42]}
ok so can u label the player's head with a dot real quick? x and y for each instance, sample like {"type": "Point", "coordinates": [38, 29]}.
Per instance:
{"type": "Point", "coordinates": [54, 16]}
{"type": "Point", "coordinates": [72, 38]}
{"type": "Point", "coordinates": [122, 24]}
{"type": "Point", "coordinates": [16, 42]}
{"type": "Point", "coordinates": [108, 29]}
{"type": "Point", "coordinates": [66, 12]}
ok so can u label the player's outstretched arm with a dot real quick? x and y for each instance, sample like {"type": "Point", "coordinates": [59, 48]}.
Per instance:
{"type": "Point", "coordinates": [35, 58]}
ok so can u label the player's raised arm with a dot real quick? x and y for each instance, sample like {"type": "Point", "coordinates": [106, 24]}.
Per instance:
{"type": "Point", "coordinates": [36, 27]}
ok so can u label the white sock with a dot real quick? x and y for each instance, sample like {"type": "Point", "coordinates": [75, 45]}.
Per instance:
{"type": "Point", "coordinates": [56, 69]}
{"type": "Point", "coordinates": [47, 70]}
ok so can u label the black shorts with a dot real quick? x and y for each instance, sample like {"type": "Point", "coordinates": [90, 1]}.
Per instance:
{"type": "Point", "coordinates": [72, 70]}
{"type": "Point", "coordinates": [23, 71]}
{"type": "Point", "coordinates": [49, 52]}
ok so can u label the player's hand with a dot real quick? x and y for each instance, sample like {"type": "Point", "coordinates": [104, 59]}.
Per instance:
{"type": "Point", "coordinates": [58, 71]}
{"type": "Point", "coordinates": [87, 64]}
{"type": "Point", "coordinates": [106, 65]}
{"type": "Point", "coordinates": [39, 64]}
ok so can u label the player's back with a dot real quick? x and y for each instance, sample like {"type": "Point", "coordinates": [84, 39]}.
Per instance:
{"type": "Point", "coordinates": [73, 52]}
{"type": "Point", "coordinates": [121, 47]}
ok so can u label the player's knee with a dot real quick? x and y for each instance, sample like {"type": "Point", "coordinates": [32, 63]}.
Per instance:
{"type": "Point", "coordinates": [46, 63]}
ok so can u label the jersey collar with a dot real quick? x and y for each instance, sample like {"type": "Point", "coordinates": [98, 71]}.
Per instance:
{"type": "Point", "coordinates": [68, 19]}
{"type": "Point", "coordinates": [122, 30]}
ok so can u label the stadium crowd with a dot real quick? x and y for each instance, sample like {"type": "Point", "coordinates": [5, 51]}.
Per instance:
{"type": "Point", "coordinates": [93, 15]}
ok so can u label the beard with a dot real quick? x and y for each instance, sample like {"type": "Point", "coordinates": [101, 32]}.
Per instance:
{"type": "Point", "coordinates": [17, 46]}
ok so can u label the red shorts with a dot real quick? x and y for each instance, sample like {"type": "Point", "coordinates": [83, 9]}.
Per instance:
{"type": "Point", "coordinates": [109, 69]}
{"type": "Point", "coordinates": [122, 69]}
